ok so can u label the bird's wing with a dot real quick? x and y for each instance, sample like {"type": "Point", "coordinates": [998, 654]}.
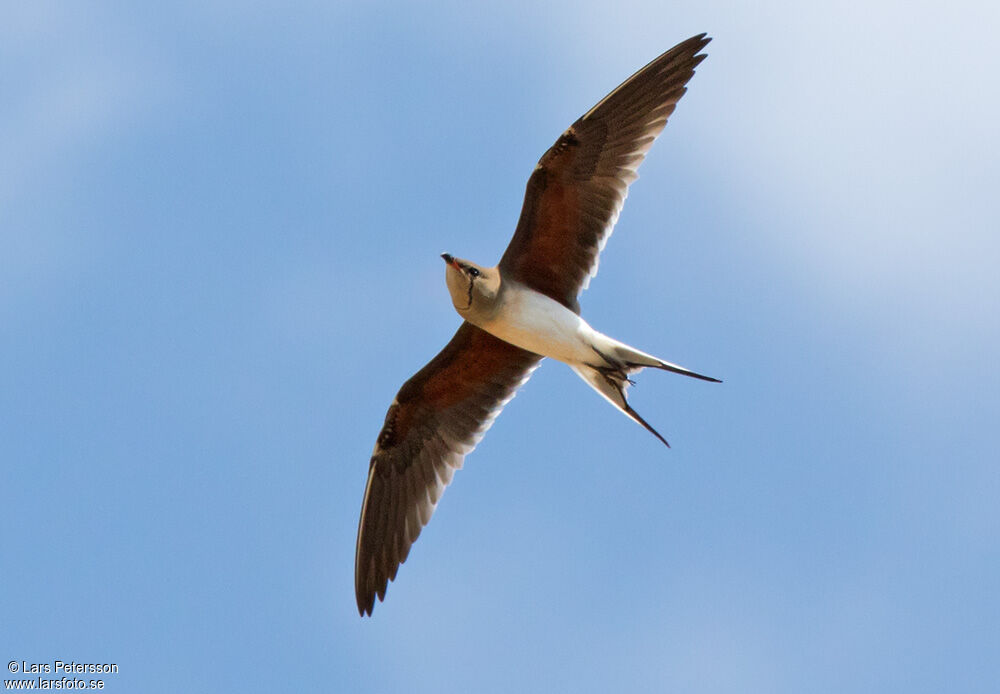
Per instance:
{"type": "Point", "coordinates": [579, 185]}
{"type": "Point", "coordinates": [438, 416]}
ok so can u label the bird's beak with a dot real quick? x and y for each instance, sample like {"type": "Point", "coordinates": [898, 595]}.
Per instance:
{"type": "Point", "coordinates": [450, 260]}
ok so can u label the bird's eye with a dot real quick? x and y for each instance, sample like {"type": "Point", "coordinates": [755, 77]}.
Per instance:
{"type": "Point", "coordinates": [473, 272]}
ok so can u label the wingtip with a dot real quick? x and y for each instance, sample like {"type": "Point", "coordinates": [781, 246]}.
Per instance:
{"type": "Point", "coordinates": [698, 44]}
{"type": "Point", "coordinates": [365, 597]}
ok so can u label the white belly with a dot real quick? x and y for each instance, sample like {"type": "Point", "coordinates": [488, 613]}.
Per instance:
{"type": "Point", "coordinates": [534, 322]}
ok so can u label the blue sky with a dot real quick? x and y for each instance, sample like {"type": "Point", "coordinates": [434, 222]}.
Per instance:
{"type": "Point", "coordinates": [220, 230]}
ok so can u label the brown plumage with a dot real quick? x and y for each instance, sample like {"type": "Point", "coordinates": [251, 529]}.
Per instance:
{"type": "Point", "coordinates": [579, 186]}
{"type": "Point", "coordinates": [571, 204]}
{"type": "Point", "coordinates": [439, 415]}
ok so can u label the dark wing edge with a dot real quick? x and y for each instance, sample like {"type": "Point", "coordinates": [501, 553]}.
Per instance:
{"type": "Point", "coordinates": [437, 418]}
{"type": "Point", "coordinates": [577, 190]}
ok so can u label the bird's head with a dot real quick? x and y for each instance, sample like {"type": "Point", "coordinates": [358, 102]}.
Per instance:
{"type": "Point", "coordinates": [473, 288]}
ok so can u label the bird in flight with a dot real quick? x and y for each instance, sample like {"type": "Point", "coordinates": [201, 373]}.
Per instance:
{"type": "Point", "coordinates": [517, 312]}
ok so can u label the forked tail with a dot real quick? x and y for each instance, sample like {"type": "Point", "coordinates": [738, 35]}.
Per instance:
{"type": "Point", "coordinates": [609, 376]}
{"type": "Point", "coordinates": [611, 384]}
{"type": "Point", "coordinates": [619, 354]}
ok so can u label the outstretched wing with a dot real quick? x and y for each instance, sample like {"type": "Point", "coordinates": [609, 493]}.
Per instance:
{"type": "Point", "coordinates": [438, 416]}
{"type": "Point", "coordinates": [579, 186]}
